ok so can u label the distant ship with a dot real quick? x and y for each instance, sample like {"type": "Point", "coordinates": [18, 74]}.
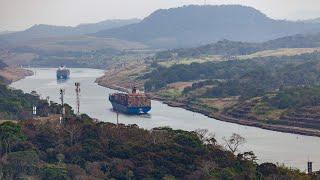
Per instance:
{"type": "Point", "coordinates": [63, 73]}
{"type": "Point", "coordinates": [130, 103]}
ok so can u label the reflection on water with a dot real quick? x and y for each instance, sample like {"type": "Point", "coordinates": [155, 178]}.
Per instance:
{"type": "Point", "coordinates": [61, 81]}
{"type": "Point", "coordinates": [143, 116]}
{"type": "Point", "coordinates": [293, 150]}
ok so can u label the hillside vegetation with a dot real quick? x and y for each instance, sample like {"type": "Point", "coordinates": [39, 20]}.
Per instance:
{"type": "Point", "coordinates": [270, 90]}
{"type": "Point", "coordinates": [88, 150]}
{"type": "Point", "coordinates": [15, 105]}
{"type": "Point", "coordinates": [234, 48]}
{"type": "Point", "coordinates": [271, 72]}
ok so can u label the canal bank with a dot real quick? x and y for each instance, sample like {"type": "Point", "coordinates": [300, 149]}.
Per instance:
{"type": "Point", "coordinates": [221, 117]}
{"type": "Point", "coordinates": [269, 146]}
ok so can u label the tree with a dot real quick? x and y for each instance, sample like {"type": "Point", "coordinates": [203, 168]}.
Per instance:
{"type": "Point", "coordinates": [267, 169]}
{"type": "Point", "coordinates": [10, 133]}
{"type": "Point", "coordinates": [205, 137]}
{"type": "Point", "coordinates": [234, 142]}
{"type": "Point", "coordinates": [73, 128]}
{"type": "Point", "coordinates": [20, 163]}
{"type": "Point", "coordinates": [228, 173]}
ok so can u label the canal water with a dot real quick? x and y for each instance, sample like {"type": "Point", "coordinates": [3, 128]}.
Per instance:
{"type": "Point", "coordinates": [269, 146]}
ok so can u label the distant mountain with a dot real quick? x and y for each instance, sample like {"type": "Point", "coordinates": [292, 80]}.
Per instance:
{"type": "Point", "coordinates": [5, 32]}
{"type": "Point", "coordinates": [37, 31]}
{"type": "Point", "coordinates": [195, 25]}
{"type": "Point", "coordinates": [46, 31]}
{"type": "Point", "coordinates": [295, 41]}
{"type": "Point", "coordinates": [103, 25]}
{"type": "Point", "coordinates": [316, 20]}
{"type": "Point", "coordinates": [230, 48]}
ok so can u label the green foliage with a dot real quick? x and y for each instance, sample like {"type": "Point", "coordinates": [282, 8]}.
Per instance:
{"type": "Point", "coordinates": [228, 174]}
{"type": "Point", "coordinates": [267, 169]}
{"type": "Point", "coordinates": [188, 139]}
{"type": "Point", "coordinates": [54, 172]}
{"type": "Point", "coordinates": [21, 162]}
{"type": "Point", "coordinates": [231, 48]}
{"type": "Point", "coordinates": [10, 133]}
{"type": "Point", "coordinates": [14, 104]}
{"type": "Point", "coordinates": [106, 151]}
{"type": "Point", "coordinates": [224, 47]}
{"type": "Point", "coordinates": [246, 78]}
{"type": "Point", "coordinates": [295, 97]}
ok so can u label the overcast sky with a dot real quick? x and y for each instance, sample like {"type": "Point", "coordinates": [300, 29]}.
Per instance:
{"type": "Point", "coordinates": [21, 14]}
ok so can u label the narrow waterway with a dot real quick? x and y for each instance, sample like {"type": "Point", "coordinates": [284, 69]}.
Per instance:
{"type": "Point", "coordinates": [289, 149]}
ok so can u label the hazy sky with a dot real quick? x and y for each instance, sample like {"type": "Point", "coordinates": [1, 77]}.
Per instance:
{"type": "Point", "coordinates": [21, 14]}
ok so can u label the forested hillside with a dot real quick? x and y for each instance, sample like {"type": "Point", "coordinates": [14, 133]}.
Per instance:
{"type": "Point", "coordinates": [15, 105]}
{"type": "Point", "coordinates": [233, 48]}
{"type": "Point", "coordinates": [270, 90]}
{"type": "Point", "coordinates": [88, 150]}
{"type": "Point", "coordinates": [269, 73]}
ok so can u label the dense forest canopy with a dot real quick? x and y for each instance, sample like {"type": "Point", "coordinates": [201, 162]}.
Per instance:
{"type": "Point", "coordinates": [85, 149]}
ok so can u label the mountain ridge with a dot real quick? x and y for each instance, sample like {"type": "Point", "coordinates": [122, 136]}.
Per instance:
{"type": "Point", "coordinates": [197, 25]}
{"type": "Point", "coordinates": [44, 31]}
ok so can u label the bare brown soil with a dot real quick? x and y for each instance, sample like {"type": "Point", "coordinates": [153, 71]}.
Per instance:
{"type": "Point", "coordinates": [12, 74]}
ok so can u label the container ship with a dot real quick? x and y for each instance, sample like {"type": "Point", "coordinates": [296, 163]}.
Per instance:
{"type": "Point", "coordinates": [63, 73]}
{"type": "Point", "coordinates": [133, 103]}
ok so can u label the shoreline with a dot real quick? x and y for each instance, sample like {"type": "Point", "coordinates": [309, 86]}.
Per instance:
{"type": "Point", "coordinates": [224, 118]}
{"type": "Point", "coordinates": [13, 74]}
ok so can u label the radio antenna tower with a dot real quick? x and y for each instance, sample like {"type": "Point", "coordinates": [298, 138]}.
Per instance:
{"type": "Point", "coordinates": [77, 84]}
{"type": "Point", "coordinates": [62, 92]}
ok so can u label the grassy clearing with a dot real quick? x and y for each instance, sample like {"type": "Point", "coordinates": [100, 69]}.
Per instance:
{"type": "Point", "coordinates": [264, 112]}
{"type": "Point", "coordinates": [280, 52]}
{"type": "Point", "coordinates": [218, 58]}
{"type": "Point", "coordinates": [219, 103]}
{"type": "Point", "coordinates": [188, 61]}
{"type": "Point", "coordinates": [180, 85]}
{"type": "Point", "coordinates": [171, 93]}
